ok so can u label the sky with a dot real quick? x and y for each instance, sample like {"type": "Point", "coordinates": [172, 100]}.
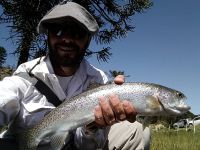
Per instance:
{"type": "Point", "coordinates": [164, 48]}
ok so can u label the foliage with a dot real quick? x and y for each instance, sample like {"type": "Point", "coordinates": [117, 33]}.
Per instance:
{"type": "Point", "coordinates": [175, 140]}
{"type": "Point", "coordinates": [3, 56]}
{"type": "Point", "coordinates": [5, 71]}
{"type": "Point", "coordinates": [167, 121]}
{"type": "Point", "coordinates": [114, 73]}
{"type": "Point", "coordinates": [114, 18]}
{"type": "Point", "coordinates": [23, 17]}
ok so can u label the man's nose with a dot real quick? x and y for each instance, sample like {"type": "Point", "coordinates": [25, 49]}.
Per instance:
{"type": "Point", "coordinates": [67, 37]}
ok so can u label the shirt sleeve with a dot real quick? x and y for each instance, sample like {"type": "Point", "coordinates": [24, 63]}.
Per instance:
{"type": "Point", "coordinates": [10, 94]}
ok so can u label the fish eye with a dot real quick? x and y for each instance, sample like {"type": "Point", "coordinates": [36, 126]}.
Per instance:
{"type": "Point", "coordinates": [180, 95]}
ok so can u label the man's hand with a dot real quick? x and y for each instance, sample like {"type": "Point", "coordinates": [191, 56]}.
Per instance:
{"type": "Point", "coordinates": [111, 109]}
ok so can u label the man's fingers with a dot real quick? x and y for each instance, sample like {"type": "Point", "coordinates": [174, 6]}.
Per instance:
{"type": "Point", "coordinates": [107, 111]}
{"type": "Point", "coordinates": [130, 111]}
{"type": "Point", "coordinates": [117, 107]}
{"type": "Point", "coordinates": [110, 111]}
{"type": "Point", "coordinates": [99, 117]}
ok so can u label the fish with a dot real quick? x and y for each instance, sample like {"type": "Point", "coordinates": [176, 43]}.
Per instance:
{"type": "Point", "coordinates": [149, 99]}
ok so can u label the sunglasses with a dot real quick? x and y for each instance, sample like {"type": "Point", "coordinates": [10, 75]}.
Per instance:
{"type": "Point", "coordinates": [71, 29]}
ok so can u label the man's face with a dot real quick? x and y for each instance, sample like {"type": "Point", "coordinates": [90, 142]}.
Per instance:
{"type": "Point", "coordinates": [67, 43]}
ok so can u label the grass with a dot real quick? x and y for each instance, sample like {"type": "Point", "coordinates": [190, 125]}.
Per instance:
{"type": "Point", "coordinates": [176, 139]}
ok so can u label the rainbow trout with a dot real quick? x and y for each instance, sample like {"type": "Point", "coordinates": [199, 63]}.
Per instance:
{"type": "Point", "coordinates": [147, 98]}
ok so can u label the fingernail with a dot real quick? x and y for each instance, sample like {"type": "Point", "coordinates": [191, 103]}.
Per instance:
{"type": "Point", "coordinates": [111, 121]}
{"type": "Point", "coordinates": [99, 118]}
{"type": "Point", "coordinates": [122, 116]}
{"type": "Point", "coordinates": [125, 103]}
{"type": "Point", "coordinates": [102, 100]}
{"type": "Point", "coordinates": [97, 108]}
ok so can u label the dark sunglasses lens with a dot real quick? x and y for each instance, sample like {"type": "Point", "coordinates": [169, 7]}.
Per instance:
{"type": "Point", "coordinates": [55, 29]}
{"type": "Point", "coordinates": [81, 33]}
{"type": "Point", "coordinates": [74, 31]}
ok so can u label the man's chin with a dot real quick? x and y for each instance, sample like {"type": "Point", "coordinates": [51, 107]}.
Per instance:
{"type": "Point", "coordinates": [67, 60]}
{"type": "Point", "coordinates": [70, 63]}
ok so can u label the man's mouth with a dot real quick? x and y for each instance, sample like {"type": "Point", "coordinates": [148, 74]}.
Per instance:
{"type": "Point", "coordinates": [66, 49]}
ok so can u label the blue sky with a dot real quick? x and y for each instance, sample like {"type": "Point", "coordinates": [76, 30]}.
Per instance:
{"type": "Point", "coordinates": [164, 48]}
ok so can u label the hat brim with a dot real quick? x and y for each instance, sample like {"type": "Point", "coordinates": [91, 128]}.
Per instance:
{"type": "Point", "coordinates": [61, 13]}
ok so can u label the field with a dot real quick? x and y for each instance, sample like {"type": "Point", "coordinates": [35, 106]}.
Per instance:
{"type": "Point", "coordinates": [166, 139]}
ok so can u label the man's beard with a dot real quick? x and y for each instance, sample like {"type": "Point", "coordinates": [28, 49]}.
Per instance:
{"type": "Point", "coordinates": [66, 59]}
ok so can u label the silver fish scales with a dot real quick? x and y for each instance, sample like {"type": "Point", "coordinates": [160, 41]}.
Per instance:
{"type": "Point", "coordinates": [148, 99]}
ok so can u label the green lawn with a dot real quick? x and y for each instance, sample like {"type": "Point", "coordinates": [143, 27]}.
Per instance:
{"type": "Point", "coordinates": [176, 140]}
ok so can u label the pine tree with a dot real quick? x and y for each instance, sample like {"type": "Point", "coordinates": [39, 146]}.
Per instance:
{"type": "Point", "coordinates": [114, 18]}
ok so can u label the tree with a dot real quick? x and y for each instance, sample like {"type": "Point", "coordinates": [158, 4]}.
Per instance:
{"type": "Point", "coordinates": [23, 17]}
{"type": "Point", "coordinates": [114, 18]}
{"type": "Point", "coordinates": [5, 72]}
{"type": "Point", "coordinates": [113, 73]}
{"type": "Point", "coordinates": [3, 56]}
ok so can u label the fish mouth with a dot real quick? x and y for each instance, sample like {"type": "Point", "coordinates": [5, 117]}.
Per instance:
{"type": "Point", "coordinates": [178, 110]}
{"type": "Point", "coordinates": [183, 108]}
{"type": "Point", "coordinates": [175, 110]}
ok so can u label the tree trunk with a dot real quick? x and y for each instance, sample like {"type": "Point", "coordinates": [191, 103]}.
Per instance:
{"type": "Point", "coordinates": [23, 56]}
{"type": "Point", "coordinates": [24, 49]}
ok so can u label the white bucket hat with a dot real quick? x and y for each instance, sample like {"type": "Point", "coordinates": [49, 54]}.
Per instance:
{"type": "Point", "coordinates": [60, 12]}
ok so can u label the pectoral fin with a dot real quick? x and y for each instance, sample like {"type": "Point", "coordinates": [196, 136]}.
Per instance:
{"type": "Point", "coordinates": [153, 103]}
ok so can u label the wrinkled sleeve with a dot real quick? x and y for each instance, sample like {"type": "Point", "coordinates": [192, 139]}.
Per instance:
{"type": "Point", "coordinates": [10, 94]}
{"type": "Point", "coordinates": [90, 141]}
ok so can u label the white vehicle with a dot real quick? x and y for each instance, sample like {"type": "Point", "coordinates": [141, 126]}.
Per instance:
{"type": "Point", "coordinates": [194, 122]}
{"type": "Point", "coordinates": [182, 123]}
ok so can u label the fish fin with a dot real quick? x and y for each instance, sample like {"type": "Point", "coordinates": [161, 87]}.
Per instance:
{"type": "Point", "coordinates": [57, 134]}
{"type": "Point", "coordinates": [153, 103]}
{"type": "Point", "coordinates": [44, 138]}
{"type": "Point", "coordinates": [53, 138]}
{"type": "Point", "coordinates": [58, 140]}
{"type": "Point", "coordinates": [53, 142]}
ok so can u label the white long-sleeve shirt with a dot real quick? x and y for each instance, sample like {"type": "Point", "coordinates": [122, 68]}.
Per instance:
{"type": "Point", "coordinates": [22, 105]}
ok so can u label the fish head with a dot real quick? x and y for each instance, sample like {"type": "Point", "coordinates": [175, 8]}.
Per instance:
{"type": "Point", "coordinates": [172, 101]}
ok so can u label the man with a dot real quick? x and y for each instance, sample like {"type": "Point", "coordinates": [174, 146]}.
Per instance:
{"type": "Point", "coordinates": [64, 70]}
